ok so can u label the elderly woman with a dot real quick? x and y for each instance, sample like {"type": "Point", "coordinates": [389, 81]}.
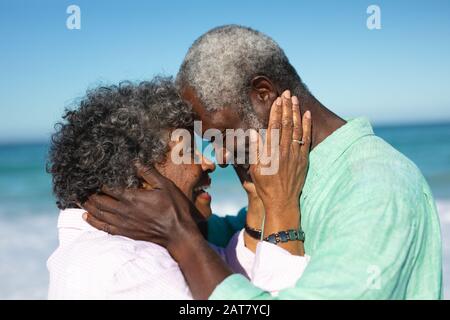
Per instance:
{"type": "Point", "coordinates": [97, 146]}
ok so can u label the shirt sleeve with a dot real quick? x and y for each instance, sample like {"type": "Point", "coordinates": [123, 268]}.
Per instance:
{"type": "Point", "coordinates": [271, 268]}
{"type": "Point", "coordinates": [367, 247]}
{"type": "Point", "coordinates": [275, 268]}
{"type": "Point", "coordinates": [149, 278]}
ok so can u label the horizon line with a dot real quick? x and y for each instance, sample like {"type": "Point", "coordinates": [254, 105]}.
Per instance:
{"type": "Point", "coordinates": [377, 125]}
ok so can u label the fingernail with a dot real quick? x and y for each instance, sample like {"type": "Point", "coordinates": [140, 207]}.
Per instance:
{"type": "Point", "coordinates": [308, 114]}
{"type": "Point", "coordinates": [287, 94]}
{"type": "Point", "coordinates": [278, 102]}
{"type": "Point", "coordinates": [85, 216]}
{"type": "Point", "coordinates": [295, 100]}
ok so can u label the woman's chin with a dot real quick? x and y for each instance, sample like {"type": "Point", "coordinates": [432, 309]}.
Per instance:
{"type": "Point", "coordinates": [203, 204]}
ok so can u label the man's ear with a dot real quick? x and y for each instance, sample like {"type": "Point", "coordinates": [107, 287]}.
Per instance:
{"type": "Point", "coordinates": [262, 94]}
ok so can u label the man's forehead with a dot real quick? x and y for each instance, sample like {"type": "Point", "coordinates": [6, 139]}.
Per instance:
{"type": "Point", "coordinates": [223, 118]}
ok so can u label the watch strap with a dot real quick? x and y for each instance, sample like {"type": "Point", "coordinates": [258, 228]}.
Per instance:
{"type": "Point", "coordinates": [252, 232]}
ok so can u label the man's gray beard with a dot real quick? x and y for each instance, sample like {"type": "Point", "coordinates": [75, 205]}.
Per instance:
{"type": "Point", "coordinates": [250, 117]}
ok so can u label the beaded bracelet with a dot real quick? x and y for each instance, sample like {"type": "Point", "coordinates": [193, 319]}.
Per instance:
{"type": "Point", "coordinates": [277, 237]}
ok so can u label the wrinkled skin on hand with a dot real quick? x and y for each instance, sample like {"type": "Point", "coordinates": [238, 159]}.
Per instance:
{"type": "Point", "coordinates": [157, 215]}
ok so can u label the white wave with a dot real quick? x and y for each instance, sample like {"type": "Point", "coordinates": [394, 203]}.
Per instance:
{"type": "Point", "coordinates": [225, 208]}
{"type": "Point", "coordinates": [26, 241]}
{"type": "Point", "coordinates": [444, 215]}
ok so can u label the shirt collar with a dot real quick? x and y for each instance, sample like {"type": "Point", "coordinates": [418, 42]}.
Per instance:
{"type": "Point", "coordinates": [73, 219]}
{"type": "Point", "coordinates": [332, 148]}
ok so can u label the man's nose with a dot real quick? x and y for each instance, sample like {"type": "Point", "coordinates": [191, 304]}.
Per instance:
{"type": "Point", "coordinates": [225, 155]}
{"type": "Point", "coordinates": [207, 165]}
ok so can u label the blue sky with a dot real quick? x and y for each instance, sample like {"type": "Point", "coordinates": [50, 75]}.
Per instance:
{"type": "Point", "coordinates": [398, 74]}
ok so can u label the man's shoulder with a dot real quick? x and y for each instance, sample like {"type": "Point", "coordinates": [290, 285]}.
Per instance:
{"type": "Point", "coordinates": [375, 148]}
{"type": "Point", "coordinates": [378, 176]}
{"type": "Point", "coordinates": [372, 158]}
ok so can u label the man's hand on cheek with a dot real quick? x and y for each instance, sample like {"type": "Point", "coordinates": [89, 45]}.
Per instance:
{"type": "Point", "coordinates": [162, 215]}
{"type": "Point", "coordinates": [165, 216]}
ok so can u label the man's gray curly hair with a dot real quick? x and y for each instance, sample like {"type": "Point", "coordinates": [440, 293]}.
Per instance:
{"type": "Point", "coordinates": [220, 65]}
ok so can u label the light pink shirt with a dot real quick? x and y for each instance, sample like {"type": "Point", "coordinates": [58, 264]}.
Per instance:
{"type": "Point", "coordinates": [91, 264]}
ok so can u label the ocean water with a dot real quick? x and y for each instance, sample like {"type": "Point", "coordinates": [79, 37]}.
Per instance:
{"type": "Point", "coordinates": [28, 214]}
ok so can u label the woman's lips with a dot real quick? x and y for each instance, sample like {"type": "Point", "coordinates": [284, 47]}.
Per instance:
{"type": "Point", "coordinates": [199, 192]}
{"type": "Point", "coordinates": [204, 195]}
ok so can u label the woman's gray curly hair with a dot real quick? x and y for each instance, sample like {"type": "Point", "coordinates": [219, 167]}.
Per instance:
{"type": "Point", "coordinates": [98, 143]}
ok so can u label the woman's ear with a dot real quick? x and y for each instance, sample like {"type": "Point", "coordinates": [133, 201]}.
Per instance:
{"type": "Point", "coordinates": [262, 94]}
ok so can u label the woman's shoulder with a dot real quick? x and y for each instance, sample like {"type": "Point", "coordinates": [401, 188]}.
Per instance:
{"type": "Point", "coordinates": [96, 264]}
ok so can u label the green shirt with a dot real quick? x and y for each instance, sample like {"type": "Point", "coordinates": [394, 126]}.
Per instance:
{"type": "Point", "coordinates": [371, 224]}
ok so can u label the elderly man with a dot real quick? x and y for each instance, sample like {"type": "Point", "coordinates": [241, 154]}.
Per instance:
{"type": "Point", "coordinates": [371, 225]}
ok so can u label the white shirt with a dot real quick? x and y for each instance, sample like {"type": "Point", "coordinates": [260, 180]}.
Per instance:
{"type": "Point", "coordinates": [91, 264]}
